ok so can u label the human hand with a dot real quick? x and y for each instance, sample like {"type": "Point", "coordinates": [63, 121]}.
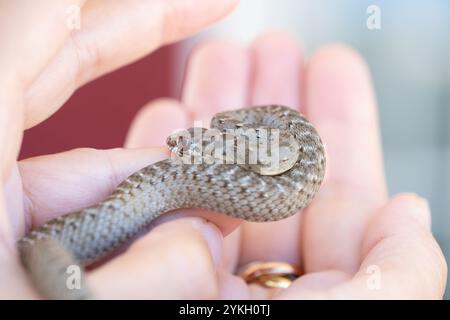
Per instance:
{"type": "Point", "coordinates": [42, 63]}
{"type": "Point", "coordinates": [352, 241]}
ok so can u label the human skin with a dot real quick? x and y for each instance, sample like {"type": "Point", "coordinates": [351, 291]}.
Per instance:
{"type": "Point", "coordinates": [350, 227]}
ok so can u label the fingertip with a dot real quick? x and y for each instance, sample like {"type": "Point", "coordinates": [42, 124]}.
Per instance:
{"type": "Point", "coordinates": [400, 247]}
{"type": "Point", "coordinates": [339, 85]}
{"type": "Point", "coordinates": [184, 17]}
{"type": "Point", "coordinates": [278, 38]}
{"type": "Point", "coordinates": [232, 287]}
{"type": "Point", "coordinates": [154, 122]}
{"type": "Point", "coordinates": [414, 205]}
{"type": "Point", "coordinates": [69, 181]}
{"type": "Point", "coordinates": [277, 69]}
{"type": "Point", "coordinates": [408, 207]}
{"type": "Point", "coordinates": [216, 50]}
{"type": "Point", "coordinates": [199, 240]}
{"type": "Point", "coordinates": [231, 5]}
{"type": "Point", "coordinates": [173, 261]}
{"type": "Point", "coordinates": [217, 78]}
{"type": "Point", "coordinates": [225, 223]}
{"type": "Point", "coordinates": [404, 214]}
{"type": "Point", "coordinates": [213, 237]}
{"type": "Point", "coordinates": [338, 55]}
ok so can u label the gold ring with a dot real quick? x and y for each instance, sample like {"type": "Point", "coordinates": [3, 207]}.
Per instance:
{"type": "Point", "coordinates": [272, 274]}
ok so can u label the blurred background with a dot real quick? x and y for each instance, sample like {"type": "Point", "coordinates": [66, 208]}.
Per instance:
{"type": "Point", "coordinates": [409, 57]}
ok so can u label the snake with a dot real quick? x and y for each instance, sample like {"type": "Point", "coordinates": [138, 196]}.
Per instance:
{"type": "Point", "coordinates": [205, 171]}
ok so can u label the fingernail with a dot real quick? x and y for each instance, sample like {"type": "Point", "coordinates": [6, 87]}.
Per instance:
{"type": "Point", "coordinates": [213, 237]}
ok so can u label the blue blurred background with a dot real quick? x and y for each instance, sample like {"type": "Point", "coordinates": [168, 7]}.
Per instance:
{"type": "Point", "coordinates": [409, 57]}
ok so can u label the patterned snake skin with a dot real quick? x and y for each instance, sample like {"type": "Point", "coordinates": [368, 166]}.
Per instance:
{"type": "Point", "coordinates": [83, 237]}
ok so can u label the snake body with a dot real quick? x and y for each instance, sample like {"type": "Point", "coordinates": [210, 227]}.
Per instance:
{"type": "Point", "coordinates": [85, 236]}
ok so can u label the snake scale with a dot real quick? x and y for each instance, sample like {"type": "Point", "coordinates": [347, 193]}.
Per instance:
{"type": "Point", "coordinates": [239, 190]}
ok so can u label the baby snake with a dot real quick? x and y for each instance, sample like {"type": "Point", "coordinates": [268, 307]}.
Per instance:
{"type": "Point", "coordinates": [250, 191]}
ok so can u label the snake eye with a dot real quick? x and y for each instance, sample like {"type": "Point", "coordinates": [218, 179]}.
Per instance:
{"type": "Point", "coordinates": [174, 143]}
{"type": "Point", "coordinates": [170, 142]}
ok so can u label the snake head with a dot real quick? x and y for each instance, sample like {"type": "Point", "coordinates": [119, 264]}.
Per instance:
{"type": "Point", "coordinates": [176, 143]}
{"type": "Point", "coordinates": [186, 142]}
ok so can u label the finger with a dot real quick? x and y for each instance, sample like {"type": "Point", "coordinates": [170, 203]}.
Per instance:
{"type": "Point", "coordinates": [340, 103]}
{"type": "Point", "coordinates": [14, 283]}
{"type": "Point", "coordinates": [217, 79]}
{"type": "Point", "coordinates": [12, 277]}
{"type": "Point", "coordinates": [277, 70]}
{"type": "Point", "coordinates": [151, 126]}
{"type": "Point", "coordinates": [232, 287]}
{"type": "Point", "coordinates": [17, 71]}
{"type": "Point", "coordinates": [14, 203]}
{"type": "Point", "coordinates": [41, 26]}
{"type": "Point", "coordinates": [155, 122]}
{"type": "Point", "coordinates": [401, 259]}
{"type": "Point", "coordinates": [61, 183]}
{"type": "Point", "coordinates": [177, 260]}
{"type": "Point", "coordinates": [277, 73]}
{"type": "Point", "coordinates": [231, 249]}
{"type": "Point", "coordinates": [112, 34]}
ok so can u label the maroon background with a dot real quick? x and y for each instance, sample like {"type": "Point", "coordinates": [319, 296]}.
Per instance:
{"type": "Point", "coordinates": [98, 115]}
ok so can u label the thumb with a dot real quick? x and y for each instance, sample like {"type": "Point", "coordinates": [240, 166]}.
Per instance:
{"type": "Point", "coordinates": [176, 260]}
{"type": "Point", "coordinates": [400, 254]}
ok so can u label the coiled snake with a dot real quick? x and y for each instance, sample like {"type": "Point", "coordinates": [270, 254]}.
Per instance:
{"type": "Point", "coordinates": [257, 190]}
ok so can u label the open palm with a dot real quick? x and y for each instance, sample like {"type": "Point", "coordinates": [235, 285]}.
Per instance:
{"type": "Point", "coordinates": [352, 241]}
{"type": "Point", "coordinates": [349, 232]}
